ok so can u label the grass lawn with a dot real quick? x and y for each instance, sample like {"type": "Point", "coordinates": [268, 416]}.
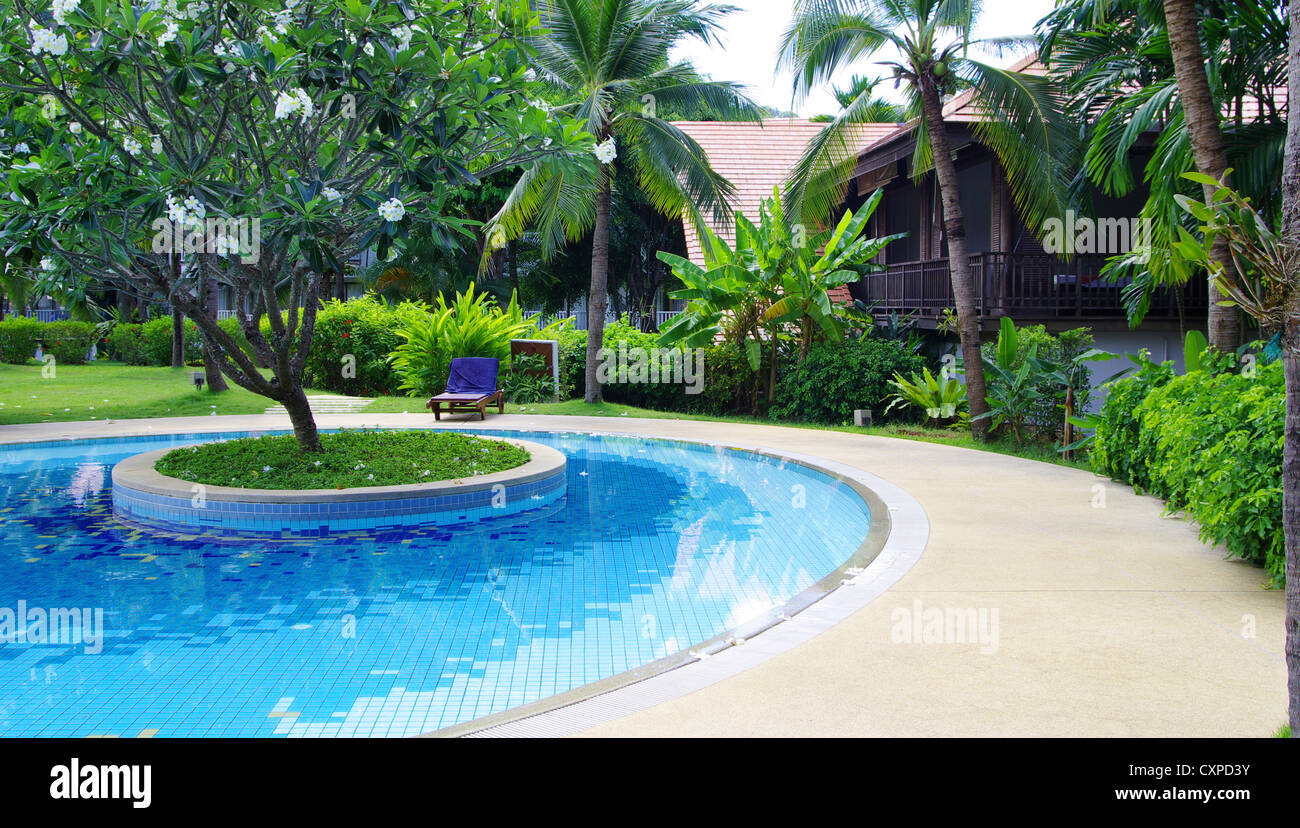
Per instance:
{"type": "Point", "coordinates": [349, 459]}
{"type": "Point", "coordinates": [108, 390]}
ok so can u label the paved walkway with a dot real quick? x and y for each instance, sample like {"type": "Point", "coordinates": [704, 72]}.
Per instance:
{"type": "Point", "coordinates": [329, 404]}
{"type": "Point", "coordinates": [1112, 620]}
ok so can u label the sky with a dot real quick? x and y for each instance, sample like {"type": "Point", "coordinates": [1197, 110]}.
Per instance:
{"type": "Point", "coordinates": [749, 47]}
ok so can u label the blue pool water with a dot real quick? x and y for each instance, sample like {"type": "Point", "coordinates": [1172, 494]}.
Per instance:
{"type": "Point", "coordinates": [656, 547]}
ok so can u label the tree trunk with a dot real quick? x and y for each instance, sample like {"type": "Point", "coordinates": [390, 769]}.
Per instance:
{"type": "Point", "coordinates": [178, 319]}
{"type": "Point", "coordinates": [1208, 147]}
{"type": "Point", "coordinates": [514, 266]}
{"type": "Point", "coordinates": [598, 296]}
{"type": "Point", "coordinates": [178, 339]}
{"type": "Point", "coordinates": [963, 287]}
{"type": "Point", "coordinates": [340, 286]}
{"type": "Point", "coordinates": [304, 424]}
{"type": "Point", "coordinates": [215, 379]}
{"type": "Point", "coordinates": [1291, 366]}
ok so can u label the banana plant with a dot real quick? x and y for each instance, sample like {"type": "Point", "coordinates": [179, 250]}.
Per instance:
{"type": "Point", "coordinates": [806, 276]}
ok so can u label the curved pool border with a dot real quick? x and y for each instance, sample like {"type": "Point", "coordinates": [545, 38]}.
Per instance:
{"type": "Point", "coordinates": [144, 496]}
{"type": "Point", "coordinates": [899, 532]}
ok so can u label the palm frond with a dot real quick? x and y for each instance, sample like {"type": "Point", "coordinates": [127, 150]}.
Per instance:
{"type": "Point", "coordinates": [672, 168]}
{"type": "Point", "coordinates": [1022, 121]}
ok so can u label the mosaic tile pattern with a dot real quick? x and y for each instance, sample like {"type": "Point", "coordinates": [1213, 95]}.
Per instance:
{"type": "Point", "coordinates": [655, 547]}
{"type": "Point", "coordinates": [230, 517]}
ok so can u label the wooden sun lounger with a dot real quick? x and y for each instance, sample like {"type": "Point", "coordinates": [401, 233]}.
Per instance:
{"type": "Point", "coordinates": [461, 403]}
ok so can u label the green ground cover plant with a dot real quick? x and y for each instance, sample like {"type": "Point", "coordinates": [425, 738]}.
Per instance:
{"type": "Point", "coordinates": [351, 459]}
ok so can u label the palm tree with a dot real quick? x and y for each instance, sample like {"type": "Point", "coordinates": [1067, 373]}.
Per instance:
{"type": "Point", "coordinates": [1021, 123]}
{"type": "Point", "coordinates": [607, 61]}
{"type": "Point", "coordinates": [1206, 138]}
{"type": "Point", "coordinates": [1117, 60]}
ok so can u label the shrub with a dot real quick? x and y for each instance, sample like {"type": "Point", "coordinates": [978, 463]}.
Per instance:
{"type": "Point", "coordinates": [361, 333]}
{"type": "Point", "coordinates": [157, 337]}
{"type": "Point", "coordinates": [839, 377]}
{"type": "Point", "coordinates": [573, 361]}
{"type": "Point", "coordinates": [528, 381]}
{"type": "Point", "coordinates": [231, 327]}
{"type": "Point", "coordinates": [126, 344]}
{"type": "Point", "coordinates": [1046, 415]}
{"type": "Point", "coordinates": [1115, 449]}
{"type": "Point", "coordinates": [18, 338]}
{"type": "Point", "coordinates": [1211, 445]}
{"type": "Point", "coordinates": [470, 326]}
{"type": "Point", "coordinates": [68, 341]}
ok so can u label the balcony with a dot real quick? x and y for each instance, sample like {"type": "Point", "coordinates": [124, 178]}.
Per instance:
{"type": "Point", "coordinates": [1024, 286]}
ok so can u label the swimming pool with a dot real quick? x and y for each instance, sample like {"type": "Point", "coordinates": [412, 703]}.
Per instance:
{"type": "Point", "coordinates": [656, 547]}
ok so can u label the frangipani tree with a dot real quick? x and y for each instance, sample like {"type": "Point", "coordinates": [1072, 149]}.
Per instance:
{"type": "Point", "coordinates": [265, 144]}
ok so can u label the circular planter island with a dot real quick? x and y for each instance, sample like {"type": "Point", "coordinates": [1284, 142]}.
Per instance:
{"type": "Point", "coordinates": [143, 496]}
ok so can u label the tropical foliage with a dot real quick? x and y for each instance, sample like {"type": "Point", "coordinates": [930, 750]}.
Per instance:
{"type": "Point", "coordinates": [942, 399]}
{"type": "Point", "coordinates": [773, 285]}
{"type": "Point", "coordinates": [606, 64]}
{"type": "Point", "coordinates": [1021, 123]}
{"type": "Point", "coordinates": [470, 325]}
{"type": "Point", "coordinates": [1115, 60]}
{"type": "Point", "coordinates": [326, 131]}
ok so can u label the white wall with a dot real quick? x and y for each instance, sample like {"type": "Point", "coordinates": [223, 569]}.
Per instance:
{"type": "Point", "coordinates": [1163, 345]}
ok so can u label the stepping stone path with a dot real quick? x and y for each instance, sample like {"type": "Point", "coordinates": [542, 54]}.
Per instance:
{"type": "Point", "coordinates": [329, 404]}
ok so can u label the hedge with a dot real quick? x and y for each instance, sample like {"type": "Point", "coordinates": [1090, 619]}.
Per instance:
{"type": "Point", "coordinates": [68, 341]}
{"type": "Point", "coordinates": [839, 377]}
{"type": "Point", "coordinates": [1209, 443]}
{"type": "Point", "coordinates": [18, 338]}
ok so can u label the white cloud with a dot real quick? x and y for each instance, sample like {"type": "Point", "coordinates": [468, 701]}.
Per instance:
{"type": "Point", "coordinates": [749, 46]}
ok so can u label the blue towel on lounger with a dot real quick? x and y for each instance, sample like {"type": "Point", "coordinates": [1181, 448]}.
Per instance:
{"type": "Point", "coordinates": [473, 375]}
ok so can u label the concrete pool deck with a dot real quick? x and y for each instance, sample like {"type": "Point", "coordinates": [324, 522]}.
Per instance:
{"type": "Point", "coordinates": [1111, 619]}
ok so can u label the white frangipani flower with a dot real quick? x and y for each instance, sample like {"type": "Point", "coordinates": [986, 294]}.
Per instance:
{"type": "Point", "coordinates": [606, 152]}
{"type": "Point", "coordinates": [155, 146]}
{"type": "Point", "coordinates": [392, 210]}
{"type": "Point", "coordinates": [44, 40]}
{"type": "Point", "coordinates": [169, 34]}
{"type": "Point", "coordinates": [226, 246]}
{"type": "Point", "coordinates": [60, 9]}
{"type": "Point", "coordinates": [75, 127]}
{"type": "Point", "coordinates": [21, 148]}
{"type": "Point", "coordinates": [331, 194]}
{"type": "Point", "coordinates": [293, 102]}
{"type": "Point", "coordinates": [132, 146]}
{"type": "Point", "coordinates": [403, 35]}
{"type": "Point", "coordinates": [47, 264]}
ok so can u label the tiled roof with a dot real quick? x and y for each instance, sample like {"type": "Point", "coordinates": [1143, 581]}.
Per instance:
{"type": "Point", "coordinates": [756, 158]}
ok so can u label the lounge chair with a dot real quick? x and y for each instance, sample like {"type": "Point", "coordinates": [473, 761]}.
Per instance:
{"type": "Point", "coordinates": [471, 386]}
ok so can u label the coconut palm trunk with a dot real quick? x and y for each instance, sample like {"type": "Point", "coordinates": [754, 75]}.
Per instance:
{"type": "Point", "coordinates": [1208, 147]}
{"type": "Point", "coordinates": [963, 287]}
{"type": "Point", "coordinates": [1291, 370]}
{"type": "Point", "coordinates": [598, 296]}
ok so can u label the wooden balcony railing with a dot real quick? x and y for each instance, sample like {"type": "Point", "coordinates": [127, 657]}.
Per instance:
{"type": "Point", "coordinates": [1021, 285]}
